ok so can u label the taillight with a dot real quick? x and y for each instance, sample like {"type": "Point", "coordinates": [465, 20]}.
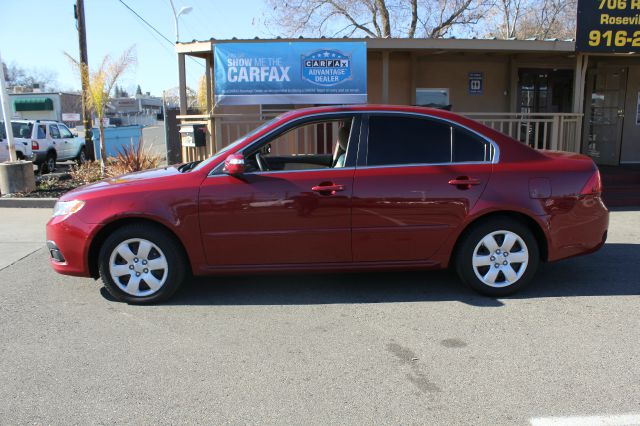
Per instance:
{"type": "Point", "coordinates": [35, 145]}
{"type": "Point", "coordinates": [593, 185]}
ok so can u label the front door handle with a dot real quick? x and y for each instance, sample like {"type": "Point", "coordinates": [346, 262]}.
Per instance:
{"type": "Point", "coordinates": [464, 182]}
{"type": "Point", "coordinates": [327, 188]}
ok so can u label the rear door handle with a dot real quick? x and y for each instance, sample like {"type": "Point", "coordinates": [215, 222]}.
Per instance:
{"type": "Point", "coordinates": [327, 189]}
{"type": "Point", "coordinates": [459, 181]}
{"type": "Point", "coordinates": [464, 182]}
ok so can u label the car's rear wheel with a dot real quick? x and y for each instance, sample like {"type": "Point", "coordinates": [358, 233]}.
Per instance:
{"type": "Point", "coordinates": [49, 165]}
{"type": "Point", "coordinates": [498, 257]}
{"type": "Point", "coordinates": [141, 263]}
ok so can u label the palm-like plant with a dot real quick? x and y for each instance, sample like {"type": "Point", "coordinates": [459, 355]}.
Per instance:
{"type": "Point", "coordinates": [100, 84]}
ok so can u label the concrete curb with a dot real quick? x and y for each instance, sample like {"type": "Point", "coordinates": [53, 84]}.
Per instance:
{"type": "Point", "coordinates": [42, 203]}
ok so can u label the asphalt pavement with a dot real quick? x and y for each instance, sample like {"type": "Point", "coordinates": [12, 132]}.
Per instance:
{"type": "Point", "coordinates": [383, 348]}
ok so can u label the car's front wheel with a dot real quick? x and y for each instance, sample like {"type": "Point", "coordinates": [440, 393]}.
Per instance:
{"type": "Point", "coordinates": [498, 257]}
{"type": "Point", "coordinates": [141, 263]}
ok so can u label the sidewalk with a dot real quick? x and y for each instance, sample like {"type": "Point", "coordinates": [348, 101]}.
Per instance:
{"type": "Point", "coordinates": [21, 233]}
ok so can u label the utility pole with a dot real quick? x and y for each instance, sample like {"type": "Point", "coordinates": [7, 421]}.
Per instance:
{"type": "Point", "coordinates": [6, 113]}
{"type": "Point", "coordinates": [84, 76]}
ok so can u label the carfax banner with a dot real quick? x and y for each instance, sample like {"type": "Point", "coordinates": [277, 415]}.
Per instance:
{"type": "Point", "coordinates": [290, 73]}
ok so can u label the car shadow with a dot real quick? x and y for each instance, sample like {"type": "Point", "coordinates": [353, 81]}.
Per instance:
{"type": "Point", "coordinates": [612, 271]}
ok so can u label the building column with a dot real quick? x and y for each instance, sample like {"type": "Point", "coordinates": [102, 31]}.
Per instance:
{"type": "Point", "coordinates": [385, 77]}
{"type": "Point", "coordinates": [579, 82]}
{"type": "Point", "coordinates": [513, 85]}
{"type": "Point", "coordinates": [210, 104]}
{"type": "Point", "coordinates": [182, 81]}
{"type": "Point", "coordinates": [414, 77]}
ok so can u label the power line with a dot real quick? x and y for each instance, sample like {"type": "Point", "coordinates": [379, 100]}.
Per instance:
{"type": "Point", "coordinates": [156, 30]}
{"type": "Point", "coordinates": [145, 21]}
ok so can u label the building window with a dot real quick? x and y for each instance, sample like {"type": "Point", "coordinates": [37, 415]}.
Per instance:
{"type": "Point", "coordinates": [436, 98]}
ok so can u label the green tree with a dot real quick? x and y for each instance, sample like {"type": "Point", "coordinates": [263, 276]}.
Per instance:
{"type": "Point", "coordinates": [100, 85]}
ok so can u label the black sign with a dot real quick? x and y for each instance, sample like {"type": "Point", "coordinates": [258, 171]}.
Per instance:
{"type": "Point", "coordinates": [608, 26]}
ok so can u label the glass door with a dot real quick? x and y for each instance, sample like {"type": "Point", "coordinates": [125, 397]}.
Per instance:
{"type": "Point", "coordinates": [604, 114]}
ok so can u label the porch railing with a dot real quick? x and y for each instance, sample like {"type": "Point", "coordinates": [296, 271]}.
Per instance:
{"type": "Point", "coordinates": [555, 131]}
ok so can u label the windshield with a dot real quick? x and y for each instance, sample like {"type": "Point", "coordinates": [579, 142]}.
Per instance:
{"type": "Point", "coordinates": [233, 144]}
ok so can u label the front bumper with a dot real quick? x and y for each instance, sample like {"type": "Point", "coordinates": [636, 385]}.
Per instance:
{"type": "Point", "coordinates": [68, 243]}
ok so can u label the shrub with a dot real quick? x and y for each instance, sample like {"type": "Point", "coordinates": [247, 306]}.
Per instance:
{"type": "Point", "coordinates": [86, 173]}
{"type": "Point", "coordinates": [48, 183]}
{"type": "Point", "coordinates": [132, 159]}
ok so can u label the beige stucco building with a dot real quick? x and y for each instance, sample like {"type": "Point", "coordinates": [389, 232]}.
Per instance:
{"type": "Point", "coordinates": [541, 92]}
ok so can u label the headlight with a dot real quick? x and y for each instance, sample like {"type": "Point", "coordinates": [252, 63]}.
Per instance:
{"type": "Point", "coordinates": [65, 208]}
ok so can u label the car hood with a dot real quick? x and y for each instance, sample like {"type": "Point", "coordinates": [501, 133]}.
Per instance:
{"type": "Point", "coordinates": [137, 178]}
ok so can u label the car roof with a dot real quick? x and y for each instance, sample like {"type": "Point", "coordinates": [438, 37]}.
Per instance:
{"type": "Point", "coordinates": [20, 120]}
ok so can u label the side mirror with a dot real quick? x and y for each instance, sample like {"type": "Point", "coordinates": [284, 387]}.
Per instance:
{"type": "Point", "coordinates": [234, 164]}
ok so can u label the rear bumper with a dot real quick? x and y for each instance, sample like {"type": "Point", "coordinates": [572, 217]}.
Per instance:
{"type": "Point", "coordinates": [68, 241]}
{"type": "Point", "coordinates": [577, 228]}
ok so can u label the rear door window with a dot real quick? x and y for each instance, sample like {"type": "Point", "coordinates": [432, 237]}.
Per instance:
{"type": "Point", "coordinates": [395, 140]}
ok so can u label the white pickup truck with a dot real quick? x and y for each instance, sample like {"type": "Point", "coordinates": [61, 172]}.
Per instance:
{"type": "Point", "coordinates": [47, 142]}
{"type": "Point", "coordinates": [23, 145]}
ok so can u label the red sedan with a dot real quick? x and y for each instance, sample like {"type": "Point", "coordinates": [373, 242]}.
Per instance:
{"type": "Point", "coordinates": [337, 189]}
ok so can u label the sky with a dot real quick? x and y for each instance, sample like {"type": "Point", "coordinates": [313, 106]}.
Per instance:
{"type": "Point", "coordinates": [36, 33]}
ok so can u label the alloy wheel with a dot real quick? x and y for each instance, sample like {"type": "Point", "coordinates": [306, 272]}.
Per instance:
{"type": "Point", "coordinates": [500, 259]}
{"type": "Point", "coordinates": [51, 164]}
{"type": "Point", "coordinates": [138, 267]}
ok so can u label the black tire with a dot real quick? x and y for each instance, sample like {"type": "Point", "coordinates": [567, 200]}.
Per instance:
{"type": "Point", "coordinates": [49, 165]}
{"type": "Point", "coordinates": [20, 156]}
{"type": "Point", "coordinates": [169, 247]}
{"type": "Point", "coordinates": [471, 241]}
{"type": "Point", "coordinates": [81, 158]}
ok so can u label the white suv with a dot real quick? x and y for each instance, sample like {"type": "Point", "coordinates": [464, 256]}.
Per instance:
{"type": "Point", "coordinates": [23, 145]}
{"type": "Point", "coordinates": [51, 141]}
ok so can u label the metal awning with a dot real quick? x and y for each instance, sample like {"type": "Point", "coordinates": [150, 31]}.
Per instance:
{"type": "Point", "coordinates": [33, 104]}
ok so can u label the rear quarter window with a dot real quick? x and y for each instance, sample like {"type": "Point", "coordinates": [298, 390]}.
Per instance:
{"type": "Point", "coordinates": [469, 147]}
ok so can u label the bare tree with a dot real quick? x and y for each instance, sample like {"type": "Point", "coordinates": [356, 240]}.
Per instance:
{"type": "Point", "coordinates": [533, 19]}
{"type": "Point", "coordinates": [100, 84]}
{"type": "Point", "coordinates": [552, 19]}
{"type": "Point", "coordinates": [17, 76]}
{"type": "Point", "coordinates": [374, 18]}
{"type": "Point", "coordinates": [444, 15]}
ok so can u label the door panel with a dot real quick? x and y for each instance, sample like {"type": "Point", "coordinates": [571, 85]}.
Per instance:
{"type": "Point", "coordinates": [406, 213]}
{"type": "Point", "coordinates": [276, 217]}
{"type": "Point", "coordinates": [604, 114]}
{"type": "Point", "coordinates": [56, 140]}
{"type": "Point", "coordinates": [67, 142]}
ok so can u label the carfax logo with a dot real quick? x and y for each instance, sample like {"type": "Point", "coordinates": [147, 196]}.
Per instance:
{"type": "Point", "coordinates": [326, 67]}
